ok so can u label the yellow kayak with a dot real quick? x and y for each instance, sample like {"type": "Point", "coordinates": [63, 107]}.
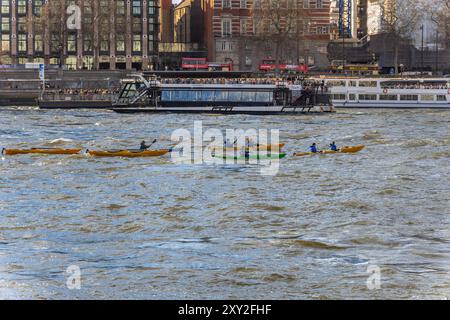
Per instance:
{"type": "Point", "coordinates": [40, 151]}
{"type": "Point", "coordinates": [352, 149]}
{"type": "Point", "coordinates": [129, 153]}
{"type": "Point", "coordinates": [259, 148]}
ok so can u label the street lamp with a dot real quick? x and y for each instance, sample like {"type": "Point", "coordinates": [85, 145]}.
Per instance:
{"type": "Point", "coordinates": [421, 51]}
{"type": "Point", "coordinates": [436, 44]}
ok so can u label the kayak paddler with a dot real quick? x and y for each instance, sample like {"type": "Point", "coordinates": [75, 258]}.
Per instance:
{"type": "Point", "coordinates": [313, 148]}
{"type": "Point", "coordinates": [333, 146]}
{"type": "Point", "coordinates": [144, 146]}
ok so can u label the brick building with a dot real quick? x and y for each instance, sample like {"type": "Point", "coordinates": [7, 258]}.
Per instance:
{"type": "Point", "coordinates": [243, 32]}
{"type": "Point", "coordinates": [80, 34]}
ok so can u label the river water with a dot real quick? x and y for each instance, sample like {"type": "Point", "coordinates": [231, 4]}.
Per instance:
{"type": "Point", "coordinates": [370, 225]}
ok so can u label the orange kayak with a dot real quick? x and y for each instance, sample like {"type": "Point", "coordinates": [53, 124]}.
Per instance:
{"type": "Point", "coordinates": [129, 153]}
{"type": "Point", "coordinates": [353, 149]}
{"type": "Point", "coordinates": [11, 152]}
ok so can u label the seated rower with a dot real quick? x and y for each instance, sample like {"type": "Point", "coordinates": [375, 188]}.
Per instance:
{"type": "Point", "coordinates": [313, 148]}
{"type": "Point", "coordinates": [227, 143]}
{"type": "Point", "coordinates": [333, 147]}
{"type": "Point", "coordinates": [144, 146]}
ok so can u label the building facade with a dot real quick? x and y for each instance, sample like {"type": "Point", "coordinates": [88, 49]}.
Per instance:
{"type": "Point", "coordinates": [166, 20]}
{"type": "Point", "coordinates": [80, 34]}
{"type": "Point", "coordinates": [191, 23]}
{"type": "Point", "coordinates": [246, 31]}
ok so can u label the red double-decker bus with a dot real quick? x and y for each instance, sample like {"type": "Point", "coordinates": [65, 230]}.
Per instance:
{"type": "Point", "coordinates": [270, 65]}
{"type": "Point", "coordinates": [202, 64]}
{"type": "Point", "coordinates": [194, 64]}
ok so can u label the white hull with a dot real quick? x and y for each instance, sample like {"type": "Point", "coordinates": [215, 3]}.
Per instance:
{"type": "Point", "coordinates": [381, 105]}
{"type": "Point", "coordinates": [391, 93]}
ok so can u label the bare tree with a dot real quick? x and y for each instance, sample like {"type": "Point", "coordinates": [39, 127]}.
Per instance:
{"type": "Point", "coordinates": [55, 33]}
{"type": "Point", "coordinates": [277, 22]}
{"type": "Point", "coordinates": [398, 22]}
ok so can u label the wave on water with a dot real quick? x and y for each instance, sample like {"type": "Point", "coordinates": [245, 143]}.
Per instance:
{"type": "Point", "coordinates": [371, 135]}
{"type": "Point", "coordinates": [60, 141]}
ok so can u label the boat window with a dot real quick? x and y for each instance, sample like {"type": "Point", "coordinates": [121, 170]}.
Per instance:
{"type": "Point", "coordinates": [352, 83]}
{"type": "Point", "coordinates": [367, 97]}
{"type": "Point", "coordinates": [221, 96]}
{"type": "Point", "coordinates": [165, 95]}
{"type": "Point", "coordinates": [352, 96]}
{"type": "Point", "coordinates": [339, 96]}
{"type": "Point", "coordinates": [264, 96]}
{"type": "Point", "coordinates": [368, 84]}
{"type": "Point", "coordinates": [441, 97]}
{"type": "Point", "coordinates": [426, 97]}
{"type": "Point", "coordinates": [189, 95]}
{"type": "Point", "coordinates": [413, 84]}
{"type": "Point", "coordinates": [180, 95]}
{"type": "Point", "coordinates": [234, 96]}
{"type": "Point", "coordinates": [392, 97]}
{"type": "Point", "coordinates": [206, 96]}
{"type": "Point", "coordinates": [336, 83]}
{"type": "Point", "coordinates": [248, 96]}
{"type": "Point", "coordinates": [409, 97]}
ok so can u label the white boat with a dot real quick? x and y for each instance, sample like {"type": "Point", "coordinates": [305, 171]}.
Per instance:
{"type": "Point", "coordinates": [389, 92]}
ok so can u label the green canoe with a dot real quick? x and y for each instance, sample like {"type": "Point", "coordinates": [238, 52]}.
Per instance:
{"type": "Point", "coordinates": [254, 156]}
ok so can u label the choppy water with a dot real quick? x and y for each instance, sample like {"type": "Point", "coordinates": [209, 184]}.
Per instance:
{"type": "Point", "coordinates": [148, 228]}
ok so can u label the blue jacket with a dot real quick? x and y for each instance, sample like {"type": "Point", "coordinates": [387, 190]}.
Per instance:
{"type": "Point", "coordinates": [333, 147]}
{"type": "Point", "coordinates": [313, 149]}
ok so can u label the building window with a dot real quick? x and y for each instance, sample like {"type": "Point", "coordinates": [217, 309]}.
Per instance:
{"type": "Point", "coordinates": [22, 42]}
{"type": "Point", "coordinates": [104, 44]}
{"type": "Point", "coordinates": [21, 7]}
{"type": "Point", "coordinates": [4, 24]}
{"type": "Point", "coordinates": [226, 27]}
{"type": "Point", "coordinates": [319, 4]}
{"type": "Point", "coordinates": [305, 4]}
{"type": "Point", "coordinates": [87, 42]}
{"type": "Point", "coordinates": [38, 43]}
{"type": "Point", "coordinates": [120, 7]}
{"type": "Point", "coordinates": [22, 24]}
{"type": "Point", "coordinates": [37, 7]}
{"type": "Point", "coordinates": [224, 46]}
{"type": "Point", "coordinates": [243, 4]}
{"type": "Point", "coordinates": [71, 63]}
{"type": "Point", "coordinates": [243, 26]}
{"type": "Point", "coordinates": [151, 46]}
{"type": "Point", "coordinates": [5, 45]}
{"type": "Point", "coordinates": [137, 8]}
{"type": "Point", "coordinates": [137, 43]}
{"type": "Point", "coordinates": [4, 9]}
{"type": "Point", "coordinates": [72, 43]}
{"type": "Point", "coordinates": [120, 43]}
{"type": "Point", "coordinates": [226, 4]}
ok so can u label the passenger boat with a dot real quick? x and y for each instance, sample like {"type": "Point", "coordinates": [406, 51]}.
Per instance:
{"type": "Point", "coordinates": [11, 152]}
{"type": "Point", "coordinates": [129, 153]}
{"type": "Point", "coordinates": [389, 92]}
{"type": "Point", "coordinates": [138, 94]}
{"type": "Point", "coordinates": [352, 149]}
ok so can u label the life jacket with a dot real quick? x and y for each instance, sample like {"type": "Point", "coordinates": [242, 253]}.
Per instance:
{"type": "Point", "coordinates": [333, 147]}
{"type": "Point", "coordinates": [313, 149]}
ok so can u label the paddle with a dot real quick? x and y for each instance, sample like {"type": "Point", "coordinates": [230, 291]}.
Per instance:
{"type": "Point", "coordinates": [154, 141]}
